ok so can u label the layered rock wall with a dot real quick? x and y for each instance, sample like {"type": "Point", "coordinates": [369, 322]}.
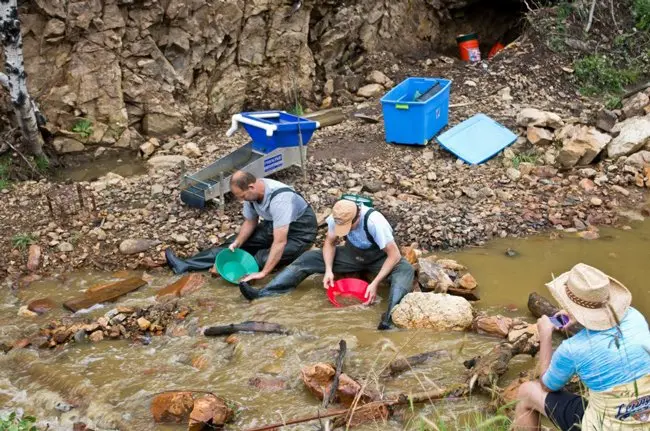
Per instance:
{"type": "Point", "coordinates": [149, 66]}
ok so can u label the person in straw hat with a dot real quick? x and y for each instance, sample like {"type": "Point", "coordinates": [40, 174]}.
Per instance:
{"type": "Point", "coordinates": [369, 246]}
{"type": "Point", "coordinates": [611, 356]}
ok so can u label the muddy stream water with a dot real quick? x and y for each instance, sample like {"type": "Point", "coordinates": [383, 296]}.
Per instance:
{"type": "Point", "coordinates": [118, 378]}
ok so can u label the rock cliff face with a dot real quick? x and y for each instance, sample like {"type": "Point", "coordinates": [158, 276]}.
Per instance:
{"type": "Point", "coordinates": [149, 66]}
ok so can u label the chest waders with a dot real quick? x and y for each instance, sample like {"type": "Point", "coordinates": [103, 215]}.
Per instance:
{"type": "Point", "coordinates": [300, 238]}
{"type": "Point", "coordinates": [347, 259]}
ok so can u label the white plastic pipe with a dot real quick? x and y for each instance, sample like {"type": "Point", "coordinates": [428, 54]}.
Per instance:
{"type": "Point", "coordinates": [239, 118]}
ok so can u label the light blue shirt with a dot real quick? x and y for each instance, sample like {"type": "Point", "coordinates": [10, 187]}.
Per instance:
{"type": "Point", "coordinates": [603, 359]}
{"type": "Point", "coordinates": [378, 227]}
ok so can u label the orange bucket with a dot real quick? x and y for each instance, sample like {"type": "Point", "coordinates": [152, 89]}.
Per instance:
{"type": "Point", "coordinates": [468, 46]}
{"type": "Point", "coordinates": [495, 49]}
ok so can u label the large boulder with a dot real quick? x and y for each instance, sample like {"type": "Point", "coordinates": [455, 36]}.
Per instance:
{"type": "Point", "coordinates": [64, 145]}
{"type": "Point", "coordinates": [434, 311]}
{"type": "Point", "coordinates": [167, 161]}
{"type": "Point", "coordinates": [580, 145]}
{"type": "Point", "coordinates": [633, 106]}
{"type": "Point", "coordinates": [639, 160]}
{"type": "Point", "coordinates": [633, 134]}
{"type": "Point", "coordinates": [535, 117]}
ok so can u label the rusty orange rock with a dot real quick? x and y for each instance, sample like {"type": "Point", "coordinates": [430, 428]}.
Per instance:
{"type": "Point", "coordinates": [318, 379]}
{"type": "Point", "coordinates": [172, 407]}
{"type": "Point", "coordinates": [200, 361]}
{"type": "Point", "coordinates": [40, 306]}
{"type": "Point", "coordinates": [183, 286]}
{"type": "Point", "coordinates": [34, 257]}
{"type": "Point", "coordinates": [497, 325]}
{"type": "Point", "coordinates": [468, 282]}
{"type": "Point", "coordinates": [209, 410]}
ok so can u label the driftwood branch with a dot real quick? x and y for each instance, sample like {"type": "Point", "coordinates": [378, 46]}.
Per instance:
{"type": "Point", "coordinates": [337, 374]}
{"type": "Point", "coordinates": [248, 326]}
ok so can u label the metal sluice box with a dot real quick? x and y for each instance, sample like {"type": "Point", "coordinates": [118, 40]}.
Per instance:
{"type": "Point", "coordinates": [278, 139]}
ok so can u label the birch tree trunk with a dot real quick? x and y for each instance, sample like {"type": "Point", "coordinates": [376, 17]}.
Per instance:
{"type": "Point", "coordinates": [15, 79]}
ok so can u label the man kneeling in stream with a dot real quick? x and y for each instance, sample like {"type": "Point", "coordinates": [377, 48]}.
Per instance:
{"type": "Point", "coordinates": [611, 355]}
{"type": "Point", "coordinates": [288, 229]}
{"type": "Point", "coordinates": [369, 246]}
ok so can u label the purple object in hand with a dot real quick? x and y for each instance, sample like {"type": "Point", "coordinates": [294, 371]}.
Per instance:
{"type": "Point", "coordinates": [560, 320]}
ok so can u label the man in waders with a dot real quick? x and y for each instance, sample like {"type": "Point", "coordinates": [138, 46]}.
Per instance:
{"type": "Point", "coordinates": [369, 246]}
{"type": "Point", "coordinates": [288, 229]}
{"type": "Point", "coordinates": [611, 356]}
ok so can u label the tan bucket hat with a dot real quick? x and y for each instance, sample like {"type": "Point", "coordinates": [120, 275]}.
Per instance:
{"type": "Point", "coordinates": [595, 299]}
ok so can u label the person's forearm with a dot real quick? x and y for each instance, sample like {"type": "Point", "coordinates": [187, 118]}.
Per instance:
{"type": "Point", "coordinates": [328, 255]}
{"type": "Point", "coordinates": [247, 229]}
{"type": "Point", "coordinates": [545, 352]}
{"type": "Point", "coordinates": [275, 254]}
{"type": "Point", "coordinates": [386, 268]}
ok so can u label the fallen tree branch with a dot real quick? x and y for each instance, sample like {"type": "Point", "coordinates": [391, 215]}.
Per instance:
{"type": "Point", "coordinates": [248, 326]}
{"type": "Point", "coordinates": [635, 90]}
{"type": "Point", "coordinates": [337, 374]}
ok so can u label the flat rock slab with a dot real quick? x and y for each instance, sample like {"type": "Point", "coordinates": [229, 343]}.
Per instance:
{"type": "Point", "coordinates": [104, 293]}
{"type": "Point", "coordinates": [182, 286]}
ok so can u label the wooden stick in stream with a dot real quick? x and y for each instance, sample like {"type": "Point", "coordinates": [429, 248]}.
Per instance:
{"type": "Point", "coordinates": [402, 399]}
{"type": "Point", "coordinates": [337, 374]}
{"type": "Point", "coordinates": [248, 326]}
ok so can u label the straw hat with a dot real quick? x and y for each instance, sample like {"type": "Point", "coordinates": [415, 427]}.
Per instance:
{"type": "Point", "coordinates": [596, 300]}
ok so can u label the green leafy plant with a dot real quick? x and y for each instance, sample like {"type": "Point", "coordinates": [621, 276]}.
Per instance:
{"type": "Point", "coordinates": [296, 109]}
{"type": "Point", "coordinates": [22, 240]}
{"type": "Point", "coordinates": [524, 158]}
{"type": "Point", "coordinates": [5, 167]}
{"type": "Point", "coordinates": [83, 127]}
{"type": "Point", "coordinates": [42, 163]}
{"type": "Point", "coordinates": [613, 102]}
{"type": "Point", "coordinates": [641, 12]}
{"type": "Point", "coordinates": [13, 423]}
{"type": "Point", "coordinates": [598, 75]}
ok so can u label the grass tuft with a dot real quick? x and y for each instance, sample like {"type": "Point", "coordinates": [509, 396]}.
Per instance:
{"type": "Point", "coordinates": [22, 240]}
{"type": "Point", "coordinates": [598, 75]}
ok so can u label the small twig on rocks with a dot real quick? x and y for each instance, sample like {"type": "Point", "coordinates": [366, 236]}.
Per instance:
{"type": "Point", "coordinates": [26, 161]}
{"type": "Point", "coordinates": [198, 391]}
{"type": "Point", "coordinates": [337, 374]}
{"type": "Point", "coordinates": [591, 16]}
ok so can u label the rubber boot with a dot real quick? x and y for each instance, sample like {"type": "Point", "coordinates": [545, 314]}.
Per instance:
{"type": "Point", "coordinates": [248, 291]}
{"type": "Point", "coordinates": [201, 261]}
{"type": "Point", "coordinates": [176, 264]}
{"type": "Point", "coordinates": [395, 296]}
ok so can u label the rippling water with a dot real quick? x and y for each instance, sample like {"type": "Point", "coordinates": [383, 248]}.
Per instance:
{"type": "Point", "coordinates": [112, 382]}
